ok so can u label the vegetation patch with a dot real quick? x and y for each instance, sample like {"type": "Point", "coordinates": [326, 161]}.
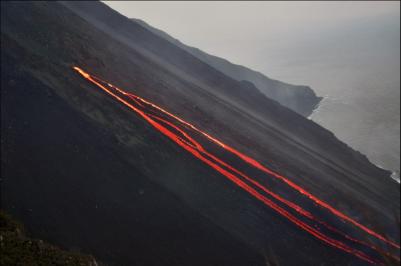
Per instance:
{"type": "Point", "coordinates": [18, 249]}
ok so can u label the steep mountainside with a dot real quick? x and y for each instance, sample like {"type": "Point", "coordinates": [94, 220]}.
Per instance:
{"type": "Point", "coordinates": [83, 171]}
{"type": "Point", "coordinates": [301, 99]}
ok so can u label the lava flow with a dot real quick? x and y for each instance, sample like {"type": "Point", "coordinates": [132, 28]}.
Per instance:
{"type": "Point", "coordinates": [183, 139]}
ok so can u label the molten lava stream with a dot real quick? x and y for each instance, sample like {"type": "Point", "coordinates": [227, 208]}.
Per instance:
{"type": "Point", "coordinates": [259, 166]}
{"type": "Point", "coordinates": [194, 150]}
{"type": "Point", "coordinates": [194, 144]}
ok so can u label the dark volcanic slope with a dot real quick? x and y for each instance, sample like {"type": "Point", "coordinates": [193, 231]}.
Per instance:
{"type": "Point", "coordinates": [83, 171]}
{"type": "Point", "coordinates": [301, 99]}
{"type": "Point", "coordinates": [71, 180]}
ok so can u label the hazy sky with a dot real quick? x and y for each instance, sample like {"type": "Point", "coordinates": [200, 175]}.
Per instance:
{"type": "Point", "coordinates": [243, 31]}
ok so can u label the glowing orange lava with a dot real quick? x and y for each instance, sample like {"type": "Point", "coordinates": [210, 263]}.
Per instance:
{"type": "Point", "coordinates": [259, 166]}
{"type": "Point", "coordinates": [196, 149]}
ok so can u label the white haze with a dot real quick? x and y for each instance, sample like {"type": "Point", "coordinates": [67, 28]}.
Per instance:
{"type": "Point", "coordinates": [348, 52]}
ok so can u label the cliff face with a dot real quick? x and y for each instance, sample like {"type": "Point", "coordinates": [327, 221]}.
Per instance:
{"type": "Point", "coordinates": [301, 99]}
{"type": "Point", "coordinates": [81, 170]}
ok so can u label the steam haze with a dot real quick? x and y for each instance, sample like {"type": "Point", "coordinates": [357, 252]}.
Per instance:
{"type": "Point", "coordinates": [347, 52]}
